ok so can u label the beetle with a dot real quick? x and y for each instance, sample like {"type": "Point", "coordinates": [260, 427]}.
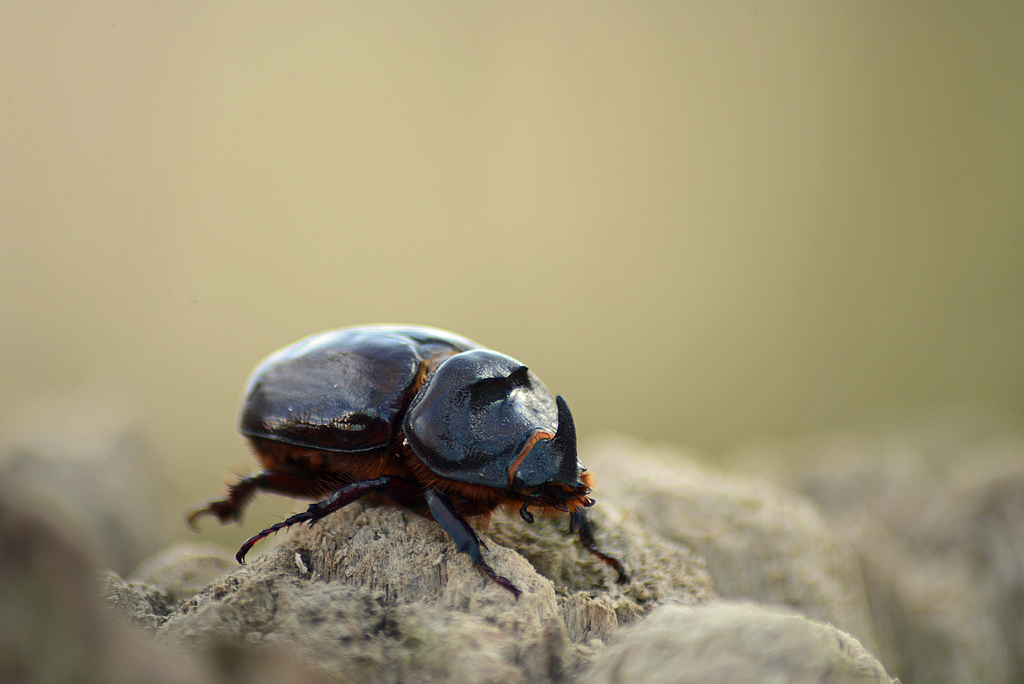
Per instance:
{"type": "Point", "coordinates": [419, 417]}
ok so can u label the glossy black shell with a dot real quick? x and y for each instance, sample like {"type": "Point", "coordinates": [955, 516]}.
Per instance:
{"type": "Point", "coordinates": [354, 390]}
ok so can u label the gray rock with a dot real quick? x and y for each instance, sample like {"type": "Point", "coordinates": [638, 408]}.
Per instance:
{"type": "Point", "coordinates": [936, 515]}
{"type": "Point", "coordinates": [136, 603]}
{"type": "Point", "coordinates": [733, 642]}
{"type": "Point", "coordinates": [761, 543]}
{"type": "Point", "coordinates": [380, 594]}
{"type": "Point", "coordinates": [184, 569]}
{"type": "Point", "coordinates": [110, 495]}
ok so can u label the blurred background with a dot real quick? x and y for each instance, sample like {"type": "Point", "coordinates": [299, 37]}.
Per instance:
{"type": "Point", "coordinates": [706, 224]}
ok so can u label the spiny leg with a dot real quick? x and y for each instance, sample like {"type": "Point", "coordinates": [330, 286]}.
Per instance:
{"type": "Point", "coordinates": [462, 534]}
{"type": "Point", "coordinates": [581, 521]}
{"type": "Point", "coordinates": [241, 493]}
{"type": "Point", "coordinates": [336, 501]}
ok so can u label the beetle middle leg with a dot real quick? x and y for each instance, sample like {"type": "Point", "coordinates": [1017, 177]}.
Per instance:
{"type": "Point", "coordinates": [580, 521]}
{"type": "Point", "coordinates": [336, 501]}
{"type": "Point", "coordinates": [462, 534]}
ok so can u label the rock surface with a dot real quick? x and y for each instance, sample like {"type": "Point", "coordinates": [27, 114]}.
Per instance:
{"type": "Point", "coordinates": [734, 642]}
{"type": "Point", "coordinates": [183, 570]}
{"type": "Point", "coordinates": [109, 494]}
{"type": "Point", "coordinates": [53, 627]}
{"type": "Point", "coordinates": [762, 543]}
{"type": "Point", "coordinates": [935, 514]}
{"type": "Point", "coordinates": [390, 587]}
{"type": "Point", "coordinates": [379, 594]}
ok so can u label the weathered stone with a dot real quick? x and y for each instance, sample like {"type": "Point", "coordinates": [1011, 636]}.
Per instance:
{"type": "Point", "coordinates": [379, 594]}
{"type": "Point", "coordinates": [936, 516]}
{"type": "Point", "coordinates": [761, 543]}
{"type": "Point", "coordinates": [183, 570]}
{"type": "Point", "coordinates": [110, 496]}
{"type": "Point", "coordinates": [389, 586]}
{"type": "Point", "coordinates": [733, 642]}
{"type": "Point", "coordinates": [136, 603]}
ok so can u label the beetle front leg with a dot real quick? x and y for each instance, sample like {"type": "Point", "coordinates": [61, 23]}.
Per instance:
{"type": "Point", "coordinates": [581, 521]}
{"type": "Point", "coordinates": [462, 534]}
{"type": "Point", "coordinates": [336, 501]}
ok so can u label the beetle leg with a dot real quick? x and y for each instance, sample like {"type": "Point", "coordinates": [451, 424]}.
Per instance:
{"type": "Point", "coordinates": [526, 514]}
{"type": "Point", "coordinates": [581, 521]}
{"type": "Point", "coordinates": [462, 534]}
{"type": "Point", "coordinates": [334, 502]}
{"type": "Point", "coordinates": [241, 493]}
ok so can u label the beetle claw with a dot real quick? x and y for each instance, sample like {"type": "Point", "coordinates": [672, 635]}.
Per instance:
{"type": "Point", "coordinates": [498, 579]}
{"type": "Point", "coordinates": [581, 522]}
{"type": "Point", "coordinates": [526, 514]}
{"type": "Point", "coordinates": [263, 534]}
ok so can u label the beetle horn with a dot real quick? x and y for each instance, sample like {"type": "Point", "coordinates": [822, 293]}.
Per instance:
{"type": "Point", "coordinates": [564, 441]}
{"type": "Point", "coordinates": [551, 460]}
{"type": "Point", "coordinates": [563, 445]}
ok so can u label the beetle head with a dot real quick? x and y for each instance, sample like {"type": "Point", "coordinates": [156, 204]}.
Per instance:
{"type": "Point", "coordinates": [551, 472]}
{"type": "Point", "coordinates": [483, 418]}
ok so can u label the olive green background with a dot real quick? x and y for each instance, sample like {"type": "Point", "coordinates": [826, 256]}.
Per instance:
{"type": "Point", "coordinates": [704, 223]}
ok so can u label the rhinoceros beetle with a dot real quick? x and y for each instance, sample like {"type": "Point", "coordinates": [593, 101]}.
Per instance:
{"type": "Point", "coordinates": [419, 417]}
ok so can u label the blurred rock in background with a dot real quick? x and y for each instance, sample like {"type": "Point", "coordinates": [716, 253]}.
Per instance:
{"type": "Point", "coordinates": [108, 494]}
{"type": "Point", "coordinates": [59, 624]}
{"type": "Point", "coordinates": [734, 642]}
{"type": "Point", "coordinates": [935, 513]}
